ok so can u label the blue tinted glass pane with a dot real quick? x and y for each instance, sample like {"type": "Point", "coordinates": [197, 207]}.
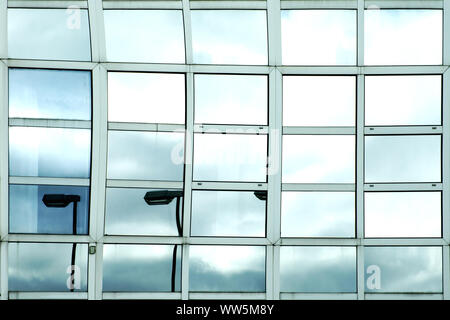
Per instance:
{"type": "Point", "coordinates": [29, 214]}
{"type": "Point", "coordinates": [49, 152]}
{"type": "Point", "coordinates": [141, 268]}
{"type": "Point", "coordinates": [227, 268]}
{"type": "Point", "coordinates": [47, 266]}
{"type": "Point", "coordinates": [53, 34]}
{"type": "Point", "coordinates": [50, 94]}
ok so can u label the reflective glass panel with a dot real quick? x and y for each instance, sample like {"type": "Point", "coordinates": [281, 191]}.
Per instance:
{"type": "Point", "coordinates": [227, 268]}
{"type": "Point", "coordinates": [146, 97]}
{"type": "Point", "coordinates": [403, 269]}
{"type": "Point", "coordinates": [402, 214]}
{"type": "Point", "coordinates": [52, 34]}
{"type": "Point", "coordinates": [319, 100]}
{"type": "Point", "coordinates": [28, 212]}
{"type": "Point", "coordinates": [145, 155]}
{"type": "Point", "coordinates": [231, 99]}
{"type": "Point", "coordinates": [317, 269]}
{"type": "Point", "coordinates": [228, 214]}
{"type": "Point", "coordinates": [318, 214]}
{"type": "Point", "coordinates": [49, 94]}
{"type": "Point", "coordinates": [412, 158]}
{"type": "Point", "coordinates": [318, 37]}
{"type": "Point", "coordinates": [49, 152]}
{"type": "Point", "coordinates": [403, 100]}
{"type": "Point", "coordinates": [127, 213]}
{"type": "Point", "coordinates": [230, 157]}
{"type": "Point", "coordinates": [318, 159]}
{"type": "Point", "coordinates": [144, 36]}
{"type": "Point", "coordinates": [140, 268]}
{"type": "Point", "coordinates": [46, 267]}
{"type": "Point", "coordinates": [229, 36]}
{"type": "Point", "coordinates": [403, 37]}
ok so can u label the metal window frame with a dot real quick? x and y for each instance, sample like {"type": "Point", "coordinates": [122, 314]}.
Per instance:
{"type": "Point", "coordinates": [275, 71]}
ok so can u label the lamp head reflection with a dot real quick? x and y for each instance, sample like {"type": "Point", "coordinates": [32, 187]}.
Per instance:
{"type": "Point", "coordinates": [59, 200]}
{"type": "Point", "coordinates": [261, 195]}
{"type": "Point", "coordinates": [162, 197]}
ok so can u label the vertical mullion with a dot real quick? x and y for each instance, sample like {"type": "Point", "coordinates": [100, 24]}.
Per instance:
{"type": "Point", "coordinates": [97, 28]}
{"type": "Point", "coordinates": [274, 32]}
{"type": "Point", "coordinates": [187, 31]}
{"type": "Point", "coordinates": [445, 178]}
{"type": "Point", "coordinates": [3, 29]}
{"type": "Point", "coordinates": [98, 172]}
{"type": "Point", "coordinates": [98, 271]}
{"type": "Point", "coordinates": [187, 182]}
{"type": "Point", "coordinates": [4, 174]}
{"type": "Point", "coordinates": [360, 33]}
{"type": "Point", "coordinates": [276, 272]}
{"type": "Point", "coordinates": [360, 182]}
{"type": "Point", "coordinates": [269, 272]}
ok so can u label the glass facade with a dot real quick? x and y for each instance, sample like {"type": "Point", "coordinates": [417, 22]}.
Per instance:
{"type": "Point", "coordinates": [224, 149]}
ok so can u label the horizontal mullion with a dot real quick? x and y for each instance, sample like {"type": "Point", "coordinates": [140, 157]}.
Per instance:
{"type": "Point", "coordinates": [50, 64]}
{"type": "Point", "coordinates": [141, 295]}
{"type": "Point", "coordinates": [402, 186]}
{"type": "Point", "coordinates": [227, 241]}
{"type": "Point", "coordinates": [160, 127]}
{"type": "Point", "coordinates": [145, 67]}
{"type": "Point", "coordinates": [372, 130]}
{"type": "Point", "coordinates": [318, 187]}
{"type": "Point", "coordinates": [251, 5]}
{"type": "Point", "coordinates": [402, 4]}
{"type": "Point", "coordinates": [49, 123]}
{"type": "Point", "coordinates": [375, 242]}
{"type": "Point", "coordinates": [355, 70]}
{"type": "Point", "coordinates": [237, 129]}
{"type": "Point", "coordinates": [14, 295]}
{"type": "Point", "coordinates": [130, 239]}
{"type": "Point", "coordinates": [48, 238]}
{"type": "Point", "coordinates": [227, 295]}
{"type": "Point", "coordinates": [331, 4]}
{"type": "Point", "coordinates": [235, 69]}
{"type": "Point", "coordinates": [319, 130]}
{"type": "Point", "coordinates": [319, 242]}
{"type": "Point", "coordinates": [199, 185]}
{"type": "Point", "coordinates": [317, 296]}
{"type": "Point", "coordinates": [49, 181]}
{"type": "Point", "coordinates": [142, 5]}
{"type": "Point", "coordinates": [403, 296]}
{"type": "Point", "coordinates": [47, 4]}
{"type": "Point", "coordinates": [114, 183]}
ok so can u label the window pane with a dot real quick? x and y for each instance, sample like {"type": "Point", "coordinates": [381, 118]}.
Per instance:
{"type": "Point", "coordinates": [29, 214]}
{"type": "Point", "coordinates": [46, 267]}
{"type": "Point", "coordinates": [231, 99]}
{"type": "Point", "coordinates": [229, 36]}
{"type": "Point", "coordinates": [127, 213]}
{"type": "Point", "coordinates": [230, 157]}
{"type": "Point", "coordinates": [402, 214]}
{"type": "Point", "coordinates": [228, 214]}
{"type": "Point", "coordinates": [140, 268]}
{"type": "Point", "coordinates": [53, 34]}
{"type": "Point", "coordinates": [403, 37]}
{"type": "Point", "coordinates": [403, 269]}
{"type": "Point", "coordinates": [157, 36]}
{"type": "Point", "coordinates": [318, 159]}
{"type": "Point", "coordinates": [318, 214]}
{"type": "Point", "coordinates": [403, 100]}
{"type": "Point", "coordinates": [319, 100]}
{"type": "Point", "coordinates": [318, 37]}
{"type": "Point", "coordinates": [49, 152]}
{"type": "Point", "coordinates": [50, 94]}
{"type": "Point", "coordinates": [317, 269]}
{"type": "Point", "coordinates": [146, 97]}
{"type": "Point", "coordinates": [403, 158]}
{"type": "Point", "coordinates": [145, 155]}
{"type": "Point", "coordinates": [227, 269]}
